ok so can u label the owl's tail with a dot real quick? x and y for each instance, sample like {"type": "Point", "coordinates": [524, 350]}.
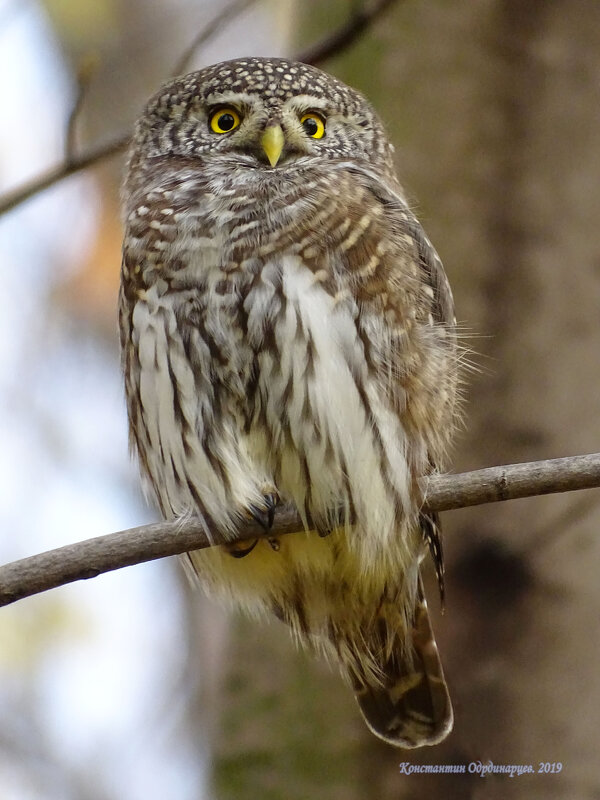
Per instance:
{"type": "Point", "coordinates": [410, 706]}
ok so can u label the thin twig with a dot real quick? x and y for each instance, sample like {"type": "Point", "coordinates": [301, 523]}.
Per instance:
{"type": "Point", "coordinates": [44, 181]}
{"type": "Point", "coordinates": [209, 31]}
{"type": "Point", "coordinates": [332, 44]}
{"type": "Point", "coordinates": [90, 558]}
{"type": "Point", "coordinates": [85, 73]}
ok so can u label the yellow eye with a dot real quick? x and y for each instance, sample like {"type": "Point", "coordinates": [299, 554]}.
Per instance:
{"type": "Point", "coordinates": [224, 120]}
{"type": "Point", "coordinates": [313, 124]}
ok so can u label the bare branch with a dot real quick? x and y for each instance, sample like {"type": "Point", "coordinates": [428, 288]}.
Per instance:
{"type": "Point", "coordinates": [92, 557]}
{"type": "Point", "coordinates": [346, 34]}
{"type": "Point", "coordinates": [210, 31]}
{"type": "Point", "coordinates": [48, 179]}
{"type": "Point", "coordinates": [85, 73]}
{"type": "Point", "coordinates": [529, 479]}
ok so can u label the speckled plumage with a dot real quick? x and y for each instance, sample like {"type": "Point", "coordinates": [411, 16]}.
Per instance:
{"type": "Point", "coordinates": [287, 331]}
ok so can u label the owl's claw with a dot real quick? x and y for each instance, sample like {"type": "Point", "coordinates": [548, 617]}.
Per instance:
{"type": "Point", "coordinates": [265, 515]}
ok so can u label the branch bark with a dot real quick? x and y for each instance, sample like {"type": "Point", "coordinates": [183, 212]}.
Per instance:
{"type": "Point", "coordinates": [92, 557]}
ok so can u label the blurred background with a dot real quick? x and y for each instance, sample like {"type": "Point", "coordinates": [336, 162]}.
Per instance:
{"type": "Point", "coordinates": [132, 685]}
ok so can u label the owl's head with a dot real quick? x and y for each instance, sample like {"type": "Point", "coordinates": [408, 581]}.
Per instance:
{"type": "Point", "coordinates": [265, 112]}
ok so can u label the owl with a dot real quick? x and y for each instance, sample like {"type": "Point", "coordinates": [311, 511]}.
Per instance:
{"type": "Point", "coordinates": [288, 338]}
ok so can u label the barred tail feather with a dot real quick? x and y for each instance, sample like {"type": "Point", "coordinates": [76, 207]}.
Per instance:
{"type": "Point", "coordinates": [410, 707]}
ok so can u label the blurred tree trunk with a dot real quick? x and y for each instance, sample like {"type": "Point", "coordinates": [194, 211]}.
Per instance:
{"type": "Point", "coordinates": [502, 104]}
{"type": "Point", "coordinates": [493, 107]}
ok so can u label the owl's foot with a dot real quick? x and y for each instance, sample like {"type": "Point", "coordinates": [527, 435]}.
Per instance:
{"type": "Point", "coordinates": [265, 514]}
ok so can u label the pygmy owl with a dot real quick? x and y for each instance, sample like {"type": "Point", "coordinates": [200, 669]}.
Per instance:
{"type": "Point", "coordinates": [287, 334]}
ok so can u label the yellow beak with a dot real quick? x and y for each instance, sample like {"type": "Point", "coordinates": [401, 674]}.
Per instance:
{"type": "Point", "coordinates": [272, 142]}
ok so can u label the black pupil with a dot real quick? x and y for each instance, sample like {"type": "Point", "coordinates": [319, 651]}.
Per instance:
{"type": "Point", "coordinates": [226, 122]}
{"type": "Point", "coordinates": [311, 126]}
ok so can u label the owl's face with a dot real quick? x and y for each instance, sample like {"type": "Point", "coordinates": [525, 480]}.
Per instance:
{"type": "Point", "coordinates": [264, 113]}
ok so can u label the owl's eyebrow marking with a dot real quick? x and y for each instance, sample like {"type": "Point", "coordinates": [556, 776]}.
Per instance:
{"type": "Point", "coordinates": [233, 98]}
{"type": "Point", "coordinates": [308, 102]}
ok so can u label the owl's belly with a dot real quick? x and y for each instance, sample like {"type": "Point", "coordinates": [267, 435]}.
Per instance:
{"type": "Point", "coordinates": [312, 422]}
{"type": "Point", "coordinates": [322, 425]}
{"type": "Point", "coordinates": [321, 432]}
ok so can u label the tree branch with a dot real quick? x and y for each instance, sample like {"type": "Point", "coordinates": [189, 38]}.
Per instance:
{"type": "Point", "coordinates": [342, 38]}
{"type": "Point", "coordinates": [66, 169]}
{"type": "Point", "coordinates": [332, 45]}
{"type": "Point", "coordinates": [92, 557]}
{"type": "Point", "coordinates": [85, 73]}
{"type": "Point", "coordinates": [209, 32]}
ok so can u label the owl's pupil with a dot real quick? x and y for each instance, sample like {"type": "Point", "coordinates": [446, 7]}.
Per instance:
{"type": "Point", "coordinates": [226, 122]}
{"type": "Point", "coordinates": [310, 126]}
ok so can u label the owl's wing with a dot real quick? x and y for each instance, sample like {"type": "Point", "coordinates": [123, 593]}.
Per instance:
{"type": "Point", "coordinates": [406, 300]}
{"type": "Point", "coordinates": [406, 229]}
{"type": "Point", "coordinates": [408, 287]}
